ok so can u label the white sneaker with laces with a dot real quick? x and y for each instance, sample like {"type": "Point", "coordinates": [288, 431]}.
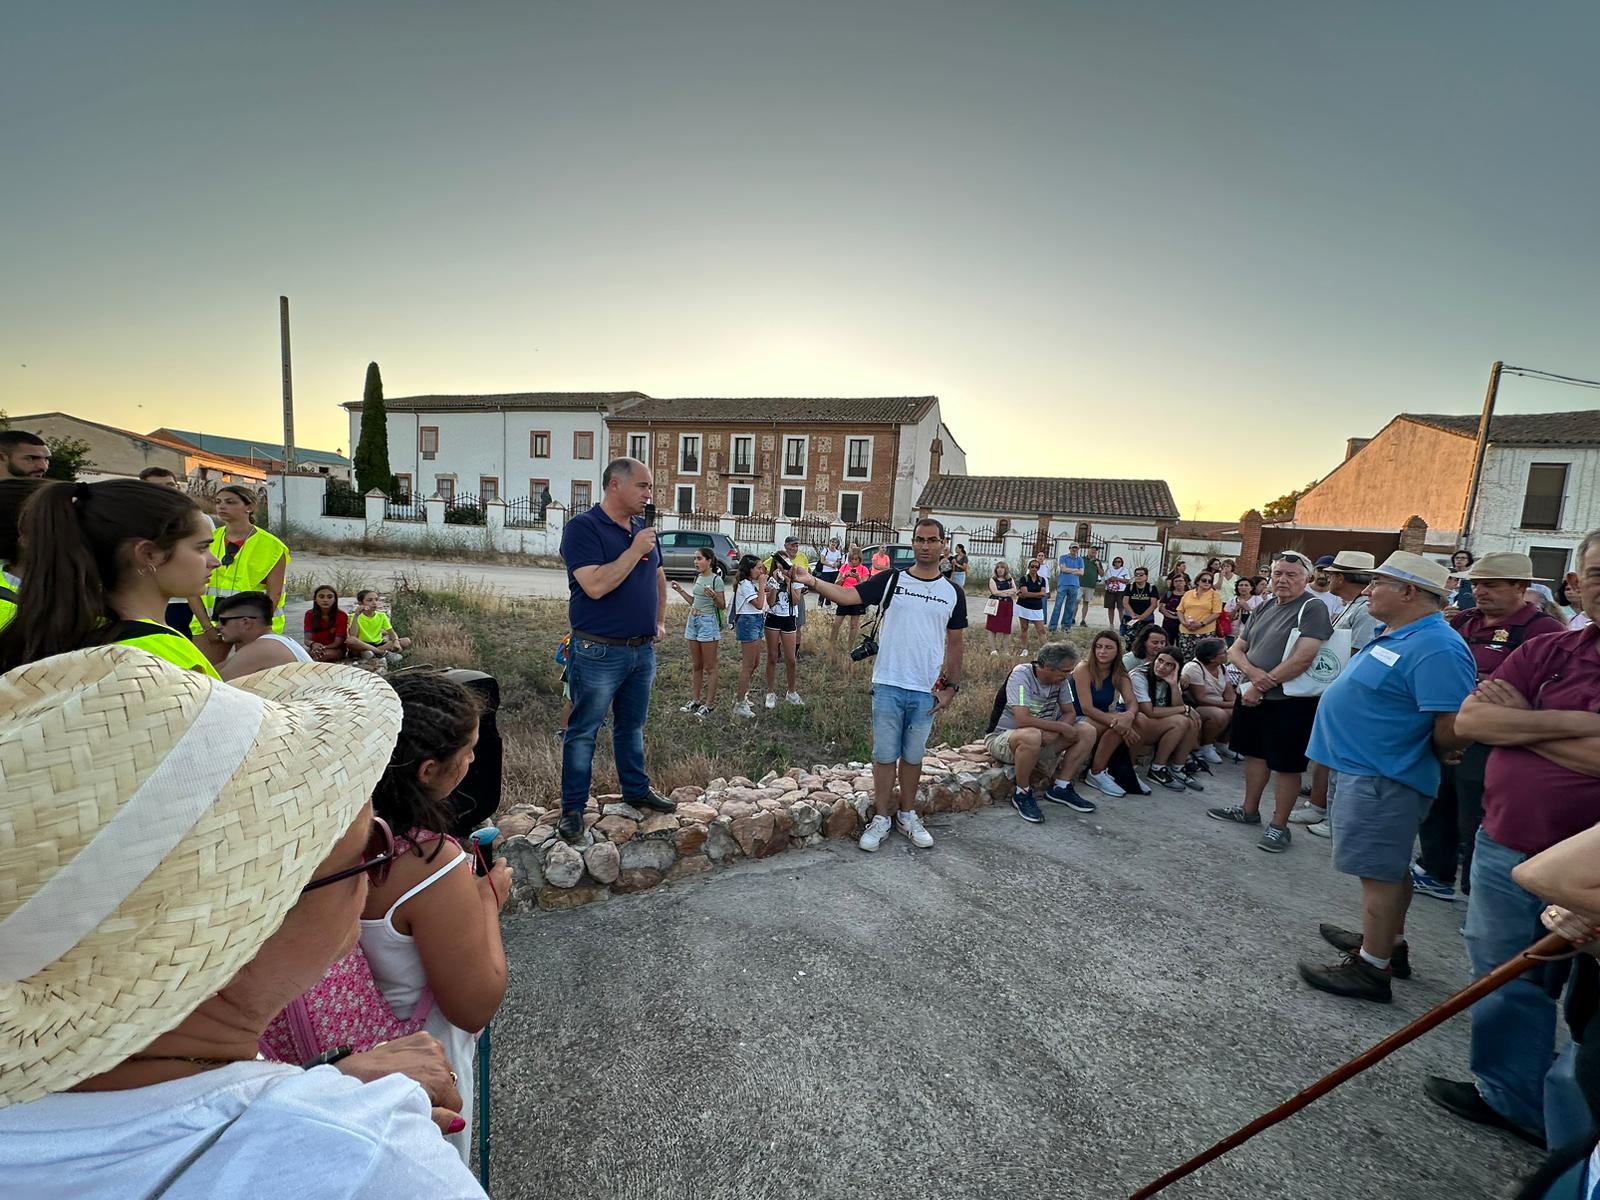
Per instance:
{"type": "Point", "coordinates": [743, 709]}
{"type": "Point", "coordinates": [772, 700]}
{"type": "Point", "coordinates": [1307, 813]}
{"type": "Point", "coordinates": [1102, 781]}
{"type": "Point", "coordinates": [911, 825]}
{"type": "Point", "coordinates": [1320, 829]}
{"type": "Point", "coordinates": [1209, 753]}
{"type": "Point", "coordinates": [794, 698]}
{"type": "Point", "coordinates": [872, 836]}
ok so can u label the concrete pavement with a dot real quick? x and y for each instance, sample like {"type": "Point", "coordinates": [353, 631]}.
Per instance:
{"type": "Point", "coordinates": [1060, 1011]}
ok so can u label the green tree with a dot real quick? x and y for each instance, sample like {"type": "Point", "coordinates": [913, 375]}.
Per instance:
{"type": "Point", "coordinates": [68, 456]}
{"type": "Point", "coordinates": [371, 459]}
{"type": "Point", "coordinates": [1282, 509]}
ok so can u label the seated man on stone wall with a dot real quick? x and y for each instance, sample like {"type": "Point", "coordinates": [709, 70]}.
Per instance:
{"type": "Point", "coordinates": [1037, 716]}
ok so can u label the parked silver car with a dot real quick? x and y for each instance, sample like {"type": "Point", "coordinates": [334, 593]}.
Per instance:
{"type": "Point", "coordinates": [678, 547]}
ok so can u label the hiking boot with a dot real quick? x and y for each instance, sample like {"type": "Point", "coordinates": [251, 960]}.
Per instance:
{"type": "Point", "coordinates": [1351, 976]}
{"type": "Point", "coordinates": [1027, 807]}
{"type": "Point", "coordinates": [1349, 940]}
{"type": "Point", "coordinates": [1426, 885]}
{"type": "Point", "coordinates": [1235, 813]}
{"type": "Point", "coordinates": [1274, 839]}
{"type": "Point", "coordinates": [570, 827]}
{"type": "Point", "coordinates": [652, 800]}
{"type": "Point", "coordinates": [1466, 1102]}
{"type": "Point", "coordinates": [1062, 792]}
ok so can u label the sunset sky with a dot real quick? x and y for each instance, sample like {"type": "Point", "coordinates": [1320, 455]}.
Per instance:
{"type": "Point", "coordinates": [1200, 242]}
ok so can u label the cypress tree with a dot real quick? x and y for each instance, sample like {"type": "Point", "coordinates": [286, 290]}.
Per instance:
{"type": "Point", "coordinates": [371, 458]}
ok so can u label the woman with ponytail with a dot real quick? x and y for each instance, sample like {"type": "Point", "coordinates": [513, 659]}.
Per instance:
{"type": "Point", "coordinates": [248, 560]}
{"type": "Point", "coordinates": [102, 560]}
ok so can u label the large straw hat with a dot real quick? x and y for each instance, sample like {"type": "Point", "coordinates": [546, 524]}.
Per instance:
{"type": "Point", "coordinates": [1405, 567]}
{"type": "Point", "coordinates": [1354, 560]}
{"type": "Point", "coordinates": [155, 827]}
{"type": "Point", "coordinates": [1502, 566]}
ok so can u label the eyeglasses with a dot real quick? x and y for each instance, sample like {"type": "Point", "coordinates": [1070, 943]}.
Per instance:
{"type": "Point", "coordinates": [375, 860]}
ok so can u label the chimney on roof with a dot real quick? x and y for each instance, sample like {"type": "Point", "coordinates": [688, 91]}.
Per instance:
{"type": "Point", "coordinates": [935, 453]}
{"type": "Point", "coordinates": [1353, 446]}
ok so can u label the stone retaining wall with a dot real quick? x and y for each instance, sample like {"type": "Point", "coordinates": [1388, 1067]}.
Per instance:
{"type": "Point", "coordinates": [624, 850]}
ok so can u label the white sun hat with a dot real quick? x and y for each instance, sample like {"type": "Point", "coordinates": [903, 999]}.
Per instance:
{"type": "Point", "coordinates": [156, 825]}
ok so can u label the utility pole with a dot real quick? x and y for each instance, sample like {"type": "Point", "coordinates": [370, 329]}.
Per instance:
{"type": "Point", "coordinates": [1478, 454]}
{"type": "Point", "coordinates": [288, 406]}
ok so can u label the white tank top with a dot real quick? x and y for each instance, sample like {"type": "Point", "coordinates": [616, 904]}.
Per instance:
{"type": "Point", "coordinates": [295, 647]}
{"type": "Point", "coordinates": [397, 970]}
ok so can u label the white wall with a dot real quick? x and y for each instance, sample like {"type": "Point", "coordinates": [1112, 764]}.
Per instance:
{"type": "Point", "coordinates": [474, 444]}
{"type": "Point", "coordinates": [1496, 522]}
{"type": "Point", "coordinates": [914, 466]}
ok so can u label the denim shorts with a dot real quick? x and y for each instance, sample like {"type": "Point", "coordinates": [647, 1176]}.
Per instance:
{"type": "Point", "coordinates": [751, 627]}
{"type": "Point", "coordinates": [702, 628]}
{"type": "Point", "coordinates": [1374, 822]}
{"type": "Point", "coordinates": [901, 722]}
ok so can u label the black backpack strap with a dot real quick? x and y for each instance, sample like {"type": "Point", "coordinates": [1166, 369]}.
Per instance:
{"type": "Point", "coordinates": [122, 631]}
{"type": "Point", "coordinates": [7, 594]}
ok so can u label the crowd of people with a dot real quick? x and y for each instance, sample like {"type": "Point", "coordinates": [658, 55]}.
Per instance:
{"type": "Point", "coordinates": [309, 812]}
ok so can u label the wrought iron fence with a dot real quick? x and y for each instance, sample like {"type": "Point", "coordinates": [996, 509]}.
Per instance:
{"type": "Point", "coordinates": [700, 522]}
{"type": "Point", "coordinates": [812, 531]}
{"type": "Point", "coordinates": [405, 507]}
{"type": "Point", "coordinates": [465, 509]}
{"type": "Point", "coordinates": [755, 530]}
{"type": "Point", "coordinates": [871, 533]}
{"type": "Point", "coordinates": [339, 499]}
{"type": "Point", "coordinates": [527, 513]}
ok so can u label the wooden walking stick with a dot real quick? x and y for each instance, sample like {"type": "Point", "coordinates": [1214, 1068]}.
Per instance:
{"type": "Point", "coordinates": [1547, 946]}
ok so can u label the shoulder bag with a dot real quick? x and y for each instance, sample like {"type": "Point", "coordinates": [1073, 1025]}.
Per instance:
{"type": "Point", "coordinates": [1331, 658]}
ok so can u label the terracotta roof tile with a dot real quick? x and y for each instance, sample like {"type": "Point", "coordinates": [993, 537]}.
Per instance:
{"type": "Point", "coordinates": [791, 410]}
{"type": "Point", "coordinates": [1006, 495]}
{"type": "Point", "coordinates": [1580, 428]}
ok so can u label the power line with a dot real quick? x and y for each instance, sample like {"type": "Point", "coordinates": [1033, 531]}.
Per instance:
{"type": "Point", "coordinates": [1551, 376]}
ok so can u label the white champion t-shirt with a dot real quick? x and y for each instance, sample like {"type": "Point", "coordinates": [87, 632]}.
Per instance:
{"type": "Point", "coordinates": [298, 1134]}
{"type": "Point", "coordinates": [911, 635]}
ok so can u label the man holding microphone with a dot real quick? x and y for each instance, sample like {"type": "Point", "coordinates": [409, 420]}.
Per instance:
{"type": "Point", "coordinates": [617, 610]}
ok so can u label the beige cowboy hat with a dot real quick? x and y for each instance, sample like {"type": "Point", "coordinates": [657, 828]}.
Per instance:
{"type": "Point", "coordinates": [1404, 567]}
{"type": "Point", "coordinates": [1353, 560]}
{"type": "Point", "coordinates": [1502, 566]}
{"type": "Point", "coordinates": [155, 827]}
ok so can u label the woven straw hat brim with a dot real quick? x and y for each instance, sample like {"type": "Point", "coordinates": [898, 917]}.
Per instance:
{"type": "Point", "coordinates": [80, 734]}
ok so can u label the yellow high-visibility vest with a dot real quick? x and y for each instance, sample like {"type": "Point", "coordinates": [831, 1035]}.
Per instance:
{"type": "Point", "coordinates": [164, 642]}
{"type": "Point", "coordinates": [248, 571]}
{"type": "Point", "coordinates": [8, 605]}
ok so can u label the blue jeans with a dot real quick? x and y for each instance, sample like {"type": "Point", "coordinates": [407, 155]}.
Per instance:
{"type": "Point", "coordinates": [1514, 1028]}
{"type": "Point", "coordinates": [901, 722]}
{"type": "Point", "coordinates": [1066, 598]}
{"type": "Point", "coordinates": [606, 677]}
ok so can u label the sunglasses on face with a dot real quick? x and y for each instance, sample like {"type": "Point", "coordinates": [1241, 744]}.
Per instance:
{"type": "Point", "coordinates": [375, 859]}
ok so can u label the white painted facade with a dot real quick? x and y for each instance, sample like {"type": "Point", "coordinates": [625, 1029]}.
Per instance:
{"type": "Point", "coordinates": [476, 447]}
{"type": "Point", "coordinates": [1497, 516]}
{"type": "Point", "coordinates": [915, 465]}
{"type": "Point", "coordinates": [1138, 542]}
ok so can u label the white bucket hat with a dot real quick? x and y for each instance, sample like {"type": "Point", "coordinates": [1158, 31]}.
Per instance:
{"type": "Point", "coordinates": [156, 825]}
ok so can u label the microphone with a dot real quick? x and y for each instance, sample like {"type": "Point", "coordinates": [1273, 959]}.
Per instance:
{"type": "Point", "coordinates": [650, 515]}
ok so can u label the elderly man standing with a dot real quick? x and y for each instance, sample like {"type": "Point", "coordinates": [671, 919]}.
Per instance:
{"type": "Point", "coordinates": [1500, 621]}
{"type": "Point", "coordinates": [1541, 714]}
{"type": "Point", "coordinates": [1039, 717]}
{"type": "Point", "coordinates": [1381, 727]}
{"type": "Point", "coordinates": [1270, 726]}
{"type": "Point", "coordinates": [617, 609]}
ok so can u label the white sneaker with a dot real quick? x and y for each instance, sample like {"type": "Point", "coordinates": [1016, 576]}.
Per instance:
{"type": "Point", "coordinates": [1320, 829]}
{"type": "Point", "coordinates": [872, 836]}
{"type": "Point", "coordinates": [743, 709]}
{"type": "Point", "coordinates": [772, 700]}
{"type": "Point", "coordinates": [1307, 814]}
{"type": "Point", "coordinates": [1209, 753]}
{"type": "Point", "coordinates": [1102, 781]}
{"type": "Point", "coordinates": [992, 653]}
{"type": "Point", "coordinates": [1022, 654]}
{"type": "Point", "coordinates": [911, 825]}
{"type": "Point", "coordinates": [794, 698]}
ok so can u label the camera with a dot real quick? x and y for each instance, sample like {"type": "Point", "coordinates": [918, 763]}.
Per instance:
{"type": "Point", "coordinates": [780, 563]}
{"type": "Point", "coordinates": [867, 648]}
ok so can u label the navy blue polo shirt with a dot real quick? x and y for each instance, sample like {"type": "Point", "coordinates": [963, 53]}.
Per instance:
{"type": "Point", "coordinates": [593, 539]}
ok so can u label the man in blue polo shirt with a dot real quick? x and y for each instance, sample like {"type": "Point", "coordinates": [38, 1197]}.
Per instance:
{"type": "Point", "coordinates": [617, 610]}
{"type": "Point", "coordinates": [1380, 729]}
{"type": "Point", "coordinates": [1069, 575]}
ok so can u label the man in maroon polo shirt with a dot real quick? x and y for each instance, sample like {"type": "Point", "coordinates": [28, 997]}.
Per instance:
{"type": "Point", "coordinates": [1500, 621]}
{"type": "Point", "coordinates": [1541, 714]}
